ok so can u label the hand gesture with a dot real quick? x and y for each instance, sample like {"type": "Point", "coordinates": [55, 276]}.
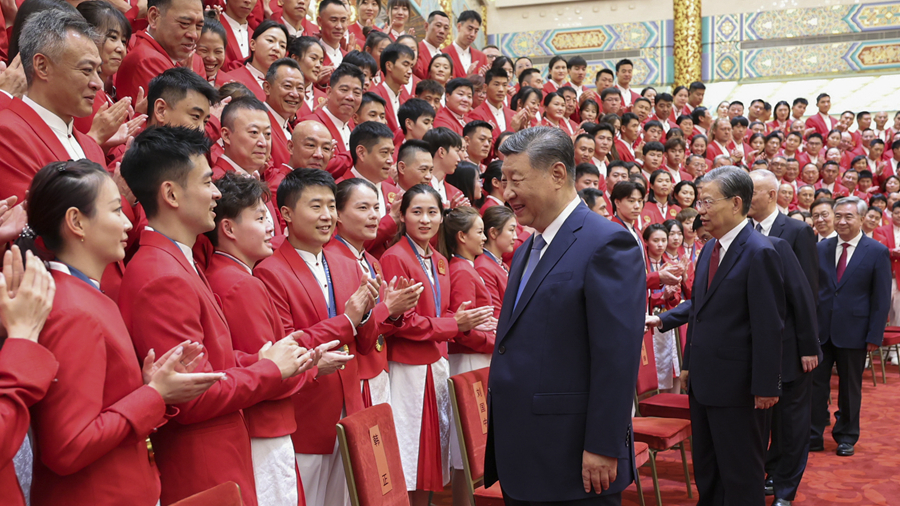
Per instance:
{"type": "Point", "coordinates": [26, 295]}
{"type": "Point", "coordinates": [395, 206]}
{"type": "Point", "coordinates": [140, 102]}
{"type": "Point", "coordinates": [472, 68]}
{"type": "Point", "coordinates": [348, 44]}
{"type": "Point", "coordinates": [765, 402]}
{"type": "Point", "coordinates": [216, 110]}
{"type": "Point", "coordinates": [361, 302]}
{"type": "Point", "coordinates": [489, 326]}
{"type": "Point", "coordinates": [520, 119]}
{"type": "Point", "coordinates": [401, 295]}
{"type": "Point", "coordinates": [12, 78]}
{"type": "Point", "coordinates": [670, 274]}
{"type": "Point", "coordinates": [108, 120]}
{"type": "Point", "coordinates": [468, 319]}
{"type": "Point", "coordinates": [286, 355]}
{"type": "Point", "coordinates": [651, 322]}
{"type": "Point", "coordinates": [459, 200]}
{"type": "Point", "coordinates": [597, 471]}
{"type": "Point", "coordinates": [809, 363]}
{"type": "Point", "coordinates": [332, 361]}
{"type": "Point", "coordinates": [178, 387]}
{"type": "Point", "coordinates": [191, 358]}
{"type": "Point", "coordinates": [484, 68]}
{"type": "Point", "coordinates": [12, 219]}
{"type": "Point", "coordinates": [411, 31]}
{"type": "Point", "coordinates": [126, 131]}
{"type": "Point", "coordinates": [325, 75]}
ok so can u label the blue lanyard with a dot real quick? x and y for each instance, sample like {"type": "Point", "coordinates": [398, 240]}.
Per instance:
{"type": "Point", "coordinates": [332, 310]}
{"type": "Point", "coordinates": [371, 269]}
{"type": "Point", "coordinates": [82, 276]}
{"type": "Point", "coordinates": [436, 286]}
{"type": "Point", "coordinates": [496, 260]}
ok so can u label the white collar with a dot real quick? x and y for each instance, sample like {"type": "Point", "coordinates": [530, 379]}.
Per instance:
{"type": "Point", "coordinates": [282, 123]}
{"type": "Point", "coordinates": [553, 228]}
{"type": "Point", "coordinates": [185, 249]}
{"type": "Point", "coordinates": [420, 250]}
{"type": "Point", "coordinates": [433, 50]}
{"type": "Point", "coordinates": [309, 257]}
{"type": "Point", "coordinates": [359, 255]}
{"type": "Point", "coordinates": [236, 259]}
{"type": "Point", "coordinates": [496, 110]}
{"type": "Point", "coordinates": [334, 119]}
{"type": "Point", "coordinates": [396, 34]}
{"type": "Point", "coordinates": [50, 118]}
{"type": "Point", "coordinates": [61, 267]}
{"type": "Point", "coordinates": [256, 73]}
{"type": "Point", "coordinates": [767, 223]}
{"type": "Point", "coordinates": [237, 168]}
{"type": "Point", "coordinates": [852, 242]}
{"type": "Point", "coordinates": [460, 50]}
{"type": "Point", "coordinates": [730, 236]}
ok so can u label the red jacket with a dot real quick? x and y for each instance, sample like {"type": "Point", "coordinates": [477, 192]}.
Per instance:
{"type": "Point", "coordinates": [242, 75]}
{"type": "Point", "coordinates": [445, 118]}
{"type": "Point", "coordinates": [466, 285]}
{"type": "Point", "coordinates": [458, 70]}
{"type": "Point", "coordinates": [624, 153]}
{"type": "Point", "coordinates": [389, 113]}
{"type": "Point", "coordinates": [91, 427]}
{"type": "Point", "coordinates": [253, 321]}
{"type": "Point", "coordinates": [164, 302]}
{"type": "Point", "coordinates": [302, 306]}
{"type": "Point", "coordinates": [423, 61]}
{"type": "Point", "coordinates": [495, 277]}
{"type": "Point", "coordinates": [280, 153]}
{"type": "Point", "coordinates": [885, 235]}
{"type": "Point", "coordinates": [319, 98]}
{"type": "Point", "coordinates": [233, 56]}
{"type": "Point", "coordinates": [422, 339]}
{"type": "Point", "coordinates": [29, 144]}
{"type": "Point", "coordinates": [147, 60]}
{"type": "Point", "coordinates": [483, 113]}
{"type": "Point", "coordinates": [652, 214]}
{"type": "Point", "coordinates": [28, 371]}
{"type": "Point", "coordinates": [816, 121]}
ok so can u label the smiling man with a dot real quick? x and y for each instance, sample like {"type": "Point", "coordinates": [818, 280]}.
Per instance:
{"type": "Point", "coordinates": [60, 61]}
{"type": "Point", "coordinates": [284, 89]}
{"type": "Point", "coordinates": [342, 101]}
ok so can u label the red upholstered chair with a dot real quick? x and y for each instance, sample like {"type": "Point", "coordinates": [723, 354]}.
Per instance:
{"type": "Point", "coordinates": [650, 401]}
{"type": "Point", "coordinates": [468, 393]}
{"type": "Point", "coordinates": [226, 494]}
{"type": "Point", "coordinates": [641, 456]}
{"type": "Point", "coordinates": [891, 342]}
{"type": "Point", "coordinates": [371, 456]}
{"type": "Point", "coordinates": [660, 434]}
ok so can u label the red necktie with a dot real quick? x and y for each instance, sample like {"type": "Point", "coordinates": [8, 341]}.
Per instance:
{"type": "Point", "coordinates": [842, 262]}
{"type": "Point", "coordinates": [713, 263]}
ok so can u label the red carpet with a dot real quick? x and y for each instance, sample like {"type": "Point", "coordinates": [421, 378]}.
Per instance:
{"type": "Point", "coordinates": [871, 477]}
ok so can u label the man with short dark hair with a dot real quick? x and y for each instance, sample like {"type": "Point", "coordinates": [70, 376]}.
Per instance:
{"type": "Point", "coordinates": [437, 29]}
{"type": "Point", "coordinates": [696, 92]}
{"type": "Point", "coordinates": [397, 61]}
{"type": "Point", "coordinates": [478, 137]}
{"type": "Point", "coordinates": [585, 450]}
{"type": "Point", "coordinates": [823, 218]}
{"type": "Point", "coordinates": [343, 97]}
{"type": "Point", "coordinates": [854, 279]}
{"type": "Point", "coordinates": [702, 120]}
{"type": "Point", "coordinates": [629, 132]}
{"type": "Point", "coordinates": [332, 20]}
{"type": "Point", "coordinates": [611, 100]}
{"type": "Point", "coordinates": [284, 88]}
{"type": "Point", "coordinates": [577, 75]}
{"type": "Point", "coordinates": [624, 74]}
{"type": "Point", "coordinates": [604, 79]}
{"type": "Point", "coordinates": [458, 105]}
{"type": "Point", "coordinates": [466, 59]}
{"type": "Point", "coordinates": [821, 121]}
{"type": "Point", "coordinates": [494, 111]}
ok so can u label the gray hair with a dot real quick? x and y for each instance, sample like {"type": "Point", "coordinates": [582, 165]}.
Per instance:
{"type": "Point", "coordinates": [722, 157]}
{"type": "Point", "coordinates": [45, 33]}
{"type": "Point", "coordinates": [544, 147]}
{"type": "Point", "coordinates": [733, 182]}
{"type": "Point", "coordinates": [860, 204]}
{"type": "Point", "coordinates": [765, 175]}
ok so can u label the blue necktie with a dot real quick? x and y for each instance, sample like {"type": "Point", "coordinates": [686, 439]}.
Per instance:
{"type": "Point", "coordinates": [534, 256]}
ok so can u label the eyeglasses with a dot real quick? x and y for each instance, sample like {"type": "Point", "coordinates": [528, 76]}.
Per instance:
{"type": "Point", "coordinates": [704, 204]}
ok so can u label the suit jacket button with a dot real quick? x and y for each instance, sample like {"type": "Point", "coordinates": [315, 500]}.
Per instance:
{"type": "Point", "coordinates": [501, 350]}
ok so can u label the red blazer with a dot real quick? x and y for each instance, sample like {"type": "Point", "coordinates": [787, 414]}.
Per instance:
{"type": "Point", "coordinates": [885, 235]}
{"type": "Point", "coordinates": [28, 371]}
{"type": "Point", "coordinates": [357, 30]}
{"type": "Point", "coordinates": [458, 70]}
{"type": "Point", "coordinates": [309, 28]}
{"type": "Point", "coordinates": [5, 99]}
{"type": "Point", "coordinates": [652, 214]}
{"type": "Point", "coordinates": [816, 121]}
{"type": "Point", "coordinates": [421, 340]}
{"type": "Point", "coordinates": [222, 78]}
{"type": "Point", "coordinates": [713, 150]}
{"type": "Point", "coordinates": [326, 61]}
{"type": "Point", "coordinates": [163, 302]}
{"type": "Point", "coordinates": [233, 56]}
{"type": "Point", "coordinates": [280, 153]}
{"type": "Point", "coordinates": [566, 125]}
{"type": "Point", "coordinates": [274, 175]}
{"type": "Point", "coordinates": [29, 144]}
{"type": "Point", "coordinates": [466, 285]}
{"type": "Point", "coordinates": [243, 76]}
{"type": "Point", "coordinates": [147, 60]}
{"type": "Point", "coordinates": [382, 91]}
{"type": "Point", "coordinates": [624, 153]}
{"type": "Point", "coordinates": [340, 157]}
{"type": "Point", "coordinates": [253, 321]}
{"type": "Point", "coordinates": [423, 60]}
{"type": "Point", "coordinates": [495, 277]}
{"type": "Point", "coordinates": [483, 113]}
{"type": "Point", "coordinates": [319, 98]}
{"type": "Point", "coordinates": [221, 167]}
{"type": "Point", "coordinates": [91, 427]}
{"type": "Point", "coordinates": [445, 118]}
{"type": "Point", "coordinates": [301, 305]}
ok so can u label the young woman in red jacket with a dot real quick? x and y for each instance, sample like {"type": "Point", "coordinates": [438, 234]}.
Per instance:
{"type": "Point", "coordinates": [500, 232]}
{"type": "Point", "coordinates": [418, 353]}
{"type": "Point", "coordinates": [91, 428]}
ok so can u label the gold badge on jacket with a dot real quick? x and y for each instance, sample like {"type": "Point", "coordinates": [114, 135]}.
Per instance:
{"type": "Point", "coordinates": [391, 196]}
{"type": "Point", "coordinates": [673, 213]}
{"type": "Point", "coordinates": [442, 267]}
{"type": "Point", "coordinates": [379, 344]}
{"type": "Point", "coordinates": [322, 100]}
{"type": "Point", "coordinates": [377, 269]}
{"type": "Point", "coordinates": [647, 219]}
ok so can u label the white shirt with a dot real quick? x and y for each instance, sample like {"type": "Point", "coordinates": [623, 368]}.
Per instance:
{"type": "Point", "coordinates": [333, 53]}
{"type": "Point", "coordinates": [896, 236]}
{"type": "Point", "coordinates": [782, 210]}
{"type": "Point", "coordinates": [433, 51]}
{"type": "Point", "coordinates": [342, 127]}
{"type": "Point", "coordinates": [293, 32]}
{"type": "Point", "coordinates": [382, 207]}
{"type": "Point", "coordinates": [62, 131]}
{"type": "Point", "coordinates": [552, 229]}
{"type": "Point", "coordinates": [729, 238]}
{"type": "Point", "coordinates": [832, 234]}
{"type": "Point", "coordinates": [360, 259]}
{"type": "Point", "coordinates": [308, 96]}
{"type": "Point", "coordinates": [852, 244]}
{"type": "Point", "coordinates": [626, 95]}
{"type": "Point", "coordinates": [240, 33]}
{"type": "Point", "coordinates": [61, 267]}
{"type": "Point", "coordinates": [578, 90]}
{"type": "Point", "coordinates": [395, 101]}
{"type": "Point", "coordinates": [766, 223]}
{"type": "Point", "coordinates": [257, 74]}
{"type": "Point", "coordinates": [499, 115]}
{"type": "Point", "coordinates": [894, 164]}
{"type": "Point", "coordinates": [441, 189]}
{"type": "Point", "coordinates": [318, 269]}
{"type": "Point", "coordinates": [465, 57]}
{"type": "Point", "coordinates": [429, 269]}
{"type": "Point", "coordinates": [283, 123]}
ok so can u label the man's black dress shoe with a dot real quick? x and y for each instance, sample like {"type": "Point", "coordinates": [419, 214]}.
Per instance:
{"type": "Point", "coordinates": [770, 486]}
{"type": "Point", "coordinates": [816, 446]}
{"type": "Point", "coordinates": [845, 450]}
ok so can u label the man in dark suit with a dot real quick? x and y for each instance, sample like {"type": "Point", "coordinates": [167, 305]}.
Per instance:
{"type": "Point", "coordinates": [789, 446]}
{"type": "Point", "coordinates": [854, 299]}
{"type": "Point", "coordinates": [733, 350]}
{"type": "Point", "coordinates": [565, 364]}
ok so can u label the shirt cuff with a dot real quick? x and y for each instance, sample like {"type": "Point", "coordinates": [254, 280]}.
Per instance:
{"type": "Point", "coordinates": [351, 324]}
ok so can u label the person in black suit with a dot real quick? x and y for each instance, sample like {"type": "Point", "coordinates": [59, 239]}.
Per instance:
{"type": "Point", "coordinates": [854, 299]}
{"type": "Point", "coordinates": [565, 363]}
{"type": "Point", "coordinates": [733, 352]}
{"type": "Point", "coordinates": [789, 446]}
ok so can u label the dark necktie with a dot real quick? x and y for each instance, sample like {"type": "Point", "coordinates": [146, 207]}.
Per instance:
{"type": "Point", "coordinates": [842, 262]}
{"type": "Point", "coordinates": [713, 263]}
{"type": "Point", "coordinates": [534, 256]}
{"type": "Point", "coordinates": [759, 228]}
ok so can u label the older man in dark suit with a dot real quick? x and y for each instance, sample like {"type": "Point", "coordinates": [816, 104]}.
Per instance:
{"type": "Point", "coordinates": [854, 299]}
{"type": "Point", "coordinates": [568, 341]}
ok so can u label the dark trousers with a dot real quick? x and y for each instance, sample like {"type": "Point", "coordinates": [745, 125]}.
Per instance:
{"type": "Point", "coordinates": [789, 447]}
{"type": "Point", "coordinates": [850, 366]}
{"type": "Point", "coordinates": [729, 453]}
{"type": "Point", "coordinates": [600, 500]}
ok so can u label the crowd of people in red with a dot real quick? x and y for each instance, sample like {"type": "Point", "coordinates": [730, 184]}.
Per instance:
{"type": "Point", "coordinates": [259, 220]}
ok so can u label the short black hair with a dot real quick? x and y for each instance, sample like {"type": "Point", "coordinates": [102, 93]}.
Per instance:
{"type": "Point", "coordinates": [231, 111]}
{"type": "Point", "coordinates": [298, 46]}
{"type": "Point", "coordinates": [326, 3]}
{"type": "Point", "coordinates": [347, 70]}
{"type": "Point", "coordinates": [526, 73]}
{"type": "Point", "coordinates": [175, 83]}
{"type": "Point", "coordinates": [238, 193]}
{"type": "Point", "coordinates": [698, 113]}
{"type": "Point", "coordinates": [696, 85]}
{"type": "Point", "coordinates": [577, 61]}
{"type": "Point", "coordinates": [369, 97]}
{"type": "Point", "coordinates": [654, 146]}
{"type": "Point", "coordinates": [411, 147]}
{"type": "Point", "coordinates": [458, 82]}
{"type": "Point", "coordinates": [293, 184]}
{"type": "Point", "coordinates": [497, 73]}
{"type": "Point", "coordinates": [623, 61]}
{"type": "Point", "coordinates": [739, 120]}
{"type": "Point", "coordinates": [801, 100]}
{"type": "Point", "coordinates": [469, 16]}
{"type": "Point", "coordinates": [475, 125]}
{"type": "Point", "coordinates": [434, 14]}
{"type": "Point", "coordinates": [624, 189]}
{"type": "Point", "coordinates": [161, 154]}
{"type": "Point", "coordinates": [652, 123]}
{"type": "Point", "coordinates": [664, 97]}
{"type": "Point", "coordinates": [604, 71]}
{"type": "Point", "coordinates": [821, 96]}
{"type": "Point", "coordinates": [212, 24]}
{"type": "Point", "coordinates": [363, 60]}
{"type": "Point", "coordinates": [590, 196]}
{"type": "Point", "coordinates": [442, 137]}
{"type": "Point", "coordinates": [367, 134]}
{"type": "Point", "coordinates": [556, 59]}
{"type": "Point", "coordinates": [413, 109]}
{"type": "Point", "coordinates": [429, 86]}
{"type": "Point", "coordinates": [393, 52]}
{"type": "Point", "coordinates": [272, 73]}
{"type": "Point", "coordinates": [628, 117]}
{"type": "Point", "coordinates": [586, 168]}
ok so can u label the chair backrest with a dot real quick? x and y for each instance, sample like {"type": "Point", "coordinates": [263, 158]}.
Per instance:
{"type": "Point", "coordinates": [226, 494]}
{"type": "Point", "coordinates": [647, 380]}
{"type": "Point", "coordinates": [371, 456]}
{"type": "Point", "coordinates": [468, 393]}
